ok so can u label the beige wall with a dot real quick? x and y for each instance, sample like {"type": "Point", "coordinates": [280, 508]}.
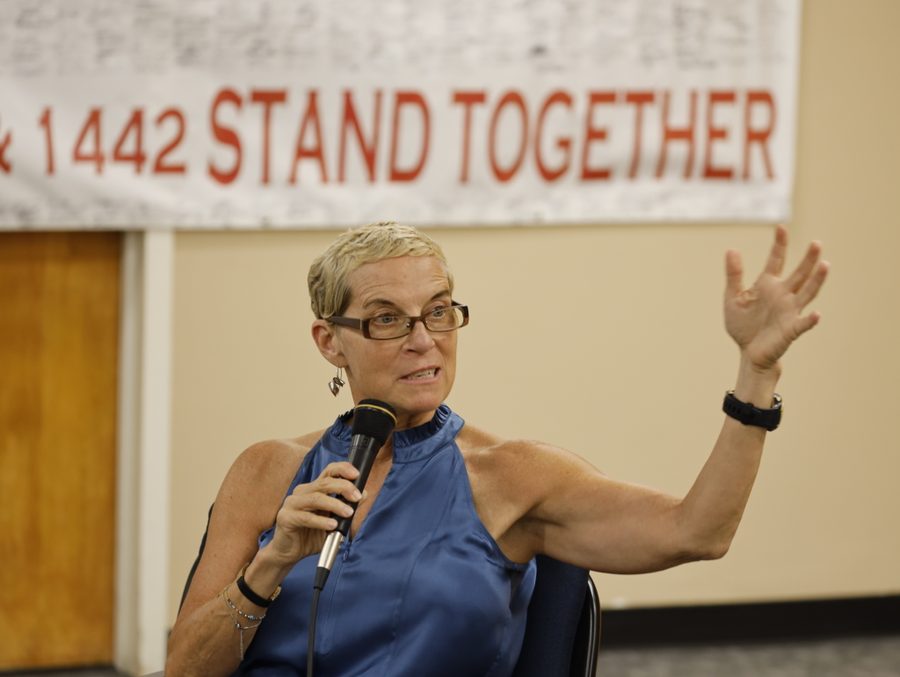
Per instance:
{"type": "Point", "coordinates": [631, 364]}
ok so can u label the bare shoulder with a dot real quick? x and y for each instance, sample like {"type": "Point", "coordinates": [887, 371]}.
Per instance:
{"type": "Point", "coordinates": [246, 505]}
{"type": "Point", "coordinates": [509, 478]}
{"type": "Point", "coordinates": [260, 476]}
{"type": "Point", "coordinates": [491, 456]}
{"type": "Point", "coordinates": [512, 479]}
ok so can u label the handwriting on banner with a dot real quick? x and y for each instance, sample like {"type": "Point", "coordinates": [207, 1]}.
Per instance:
{"type": "Point", "coordinates": [561, 134]}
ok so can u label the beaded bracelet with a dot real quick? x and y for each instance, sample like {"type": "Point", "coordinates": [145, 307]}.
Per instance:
{"type": "Point", "coordinates": [237, 614]}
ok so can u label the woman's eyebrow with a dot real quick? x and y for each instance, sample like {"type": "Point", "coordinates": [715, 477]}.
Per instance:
{"type": "Point", "coordinates": [392, 304]}
{"type": "Point", "coordinates": [380, 302]}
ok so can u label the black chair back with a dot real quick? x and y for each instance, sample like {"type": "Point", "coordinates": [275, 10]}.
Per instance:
{"type": "Point", "coordinates": [562, 635]}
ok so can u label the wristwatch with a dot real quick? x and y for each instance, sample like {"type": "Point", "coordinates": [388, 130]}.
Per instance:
{"type": "Point", "coordinates": [750, 415]}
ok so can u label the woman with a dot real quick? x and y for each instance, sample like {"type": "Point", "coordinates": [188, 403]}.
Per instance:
{"type": "Point", "coordinates": [441, 547]}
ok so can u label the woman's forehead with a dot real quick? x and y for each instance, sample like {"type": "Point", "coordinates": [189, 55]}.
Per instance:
{"type": "Point", "coordinates": [399, 279]}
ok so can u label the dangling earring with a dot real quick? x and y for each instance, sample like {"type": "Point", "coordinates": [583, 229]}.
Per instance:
{"type": "Point", "coordinates": [335, 384]}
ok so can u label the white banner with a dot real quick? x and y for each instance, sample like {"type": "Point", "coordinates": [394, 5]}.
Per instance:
{"type": "Point", "coordinates": [321, 113]}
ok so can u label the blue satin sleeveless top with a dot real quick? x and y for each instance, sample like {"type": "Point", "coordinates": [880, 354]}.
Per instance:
{"type": "Point", "coordinates": [421, 590]}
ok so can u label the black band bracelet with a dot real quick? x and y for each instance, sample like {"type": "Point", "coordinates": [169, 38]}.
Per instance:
{"type": "Point", "coordinates": [247, 591]}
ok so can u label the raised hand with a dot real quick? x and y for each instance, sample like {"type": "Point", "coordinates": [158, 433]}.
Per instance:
{"type": "Point", "coordinates": [767, 317]}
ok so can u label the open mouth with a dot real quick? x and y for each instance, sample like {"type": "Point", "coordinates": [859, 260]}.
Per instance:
{"type": "Point", "coordinates": [422, 375]}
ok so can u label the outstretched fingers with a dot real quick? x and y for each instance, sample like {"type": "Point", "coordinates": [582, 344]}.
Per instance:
{"type": "Point", "coordinates": [805, 268]}
{"type": "Point", "coordinates": [806, 322]}
{"type": "Point", "coordinates": [778, 253]}
{"type": "Point", "coordinates": [813, 283]}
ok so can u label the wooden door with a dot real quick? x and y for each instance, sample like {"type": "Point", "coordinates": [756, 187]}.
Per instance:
{"type": "Point", "coordinates": [59, 307]}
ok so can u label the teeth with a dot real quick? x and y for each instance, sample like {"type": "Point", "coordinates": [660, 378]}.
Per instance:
{"type": "Point", "coordinates": [425, 373]}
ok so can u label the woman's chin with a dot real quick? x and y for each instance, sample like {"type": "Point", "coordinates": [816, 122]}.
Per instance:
{"type": "Point", "coordinates": [416, 411]}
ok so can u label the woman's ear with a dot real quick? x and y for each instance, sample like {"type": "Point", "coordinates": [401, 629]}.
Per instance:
{"type": "Point", "coordinates": [328, 342]}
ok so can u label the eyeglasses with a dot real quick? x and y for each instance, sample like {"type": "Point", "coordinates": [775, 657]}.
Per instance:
{"type": "Point", "coordinates": [384, 327]}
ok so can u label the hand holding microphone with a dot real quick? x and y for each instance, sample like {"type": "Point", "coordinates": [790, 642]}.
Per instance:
{"type": "Point", "coordinates": [373, 422]}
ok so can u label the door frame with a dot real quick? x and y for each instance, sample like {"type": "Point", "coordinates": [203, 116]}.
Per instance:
{"type": "Point", "coordinates": [143, 496]}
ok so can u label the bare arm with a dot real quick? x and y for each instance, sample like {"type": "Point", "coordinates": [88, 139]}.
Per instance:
{"type": "Point", "coordinates": [576, 514]}
{"type": "Point", "coordinates": [204, 640]}
{"type": "Point", "coordinates": [588, 519]}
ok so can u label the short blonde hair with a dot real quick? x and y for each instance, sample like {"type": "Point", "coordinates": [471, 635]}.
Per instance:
{"type": "Point", "coordinates": [329, 275]}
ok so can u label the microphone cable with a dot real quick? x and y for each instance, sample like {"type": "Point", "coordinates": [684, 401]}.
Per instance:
{"type": "Point", "coordinates": [311, 635]}
{"type": "Point", "coordinates": [321, 577]}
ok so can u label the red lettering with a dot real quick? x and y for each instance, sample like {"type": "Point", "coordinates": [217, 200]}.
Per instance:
{"type": "Point", "coordinates": [713, 133]}
{"type": "Point", "coordinates": [91, 128]}
{"type": "Point", "coordinates": [414, 99]}
{"type": "Point", "coordinates": [467, 99]}
{"type": "Point", "coordinates": [310, 116]}
{"type": "Point", "coordinates": [592, 134]}
{"type": "Point", "coordinates": [6, 165]}
{"type": "Point", "coordinates": [758, 136]}
{"type": "Point", "coordinates": [671, 133]}
{"type": "Point", "coordinates": [48, 137]}
{"type": "Point", "coordinates": [161, 166]}
{"type": "Point", "coordinates": [515, 99]}
{"type": "Point", "coordinates": [133, 128]}
{"type": "Point", "coordinates": [267, 97]}
{"type": "Point", "coordinates": [639, 99]}
{"type": "Point", "coordinates": [370, 149]}
{"type": "Point", "coordinates": [562, 143]}
{"type": "Point", "coordinates": [226, 136]}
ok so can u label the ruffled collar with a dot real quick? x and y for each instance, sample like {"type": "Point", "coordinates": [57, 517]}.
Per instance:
{"type": "Point", "coordinates": [411, 444]}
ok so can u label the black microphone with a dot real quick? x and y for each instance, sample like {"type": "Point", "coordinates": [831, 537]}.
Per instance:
{"type": "Point", "coordinates": [373, 422]}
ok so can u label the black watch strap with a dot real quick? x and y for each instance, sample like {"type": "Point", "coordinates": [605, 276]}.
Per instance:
{"type": "Point", "coordinates": [750, 415]}
{"type": "Point", "coordinates": [250, 594]}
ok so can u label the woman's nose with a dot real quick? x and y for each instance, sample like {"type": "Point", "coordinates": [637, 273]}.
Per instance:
{"type": "Point", "coordinates": [419, 337]}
